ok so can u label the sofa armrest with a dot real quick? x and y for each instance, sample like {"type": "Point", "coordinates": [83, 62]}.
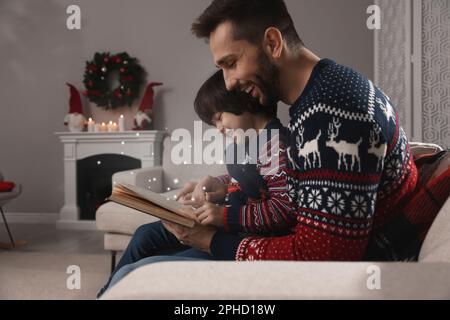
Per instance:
{"type": "Point", "coordinates": [420, 148]}
{"type": "Point", "coordinates": [146, 177]}
{"type": "Point", "coordinates": [284, 280]}
{"type": "Point", "coordinates": [436, 246]}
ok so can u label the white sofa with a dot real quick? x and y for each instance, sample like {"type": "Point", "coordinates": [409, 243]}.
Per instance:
{"type": "Point", "coordinates": [427, 279]}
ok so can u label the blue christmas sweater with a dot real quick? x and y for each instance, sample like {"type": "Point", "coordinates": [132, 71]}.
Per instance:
{"type": "Point", "coordinates": [350, 172]}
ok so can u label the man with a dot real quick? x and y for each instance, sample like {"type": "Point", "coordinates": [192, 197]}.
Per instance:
{"type": "Point", "coordinates": [352, 170]}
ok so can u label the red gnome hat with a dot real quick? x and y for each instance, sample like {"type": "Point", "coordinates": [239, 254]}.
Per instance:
{"type": "Point", "coordinates": [75, 105]}
{"type": "Point", "coordinates": [147, 100]}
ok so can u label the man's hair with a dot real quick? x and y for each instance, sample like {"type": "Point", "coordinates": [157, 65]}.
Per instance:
{"type": "Point", "coordinates": [214, 97]}
{"type": "Point", "coordinates": [249, 18]}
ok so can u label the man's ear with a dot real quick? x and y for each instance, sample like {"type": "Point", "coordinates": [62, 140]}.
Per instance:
{"type": "Point", "coordinates": [273, 42]}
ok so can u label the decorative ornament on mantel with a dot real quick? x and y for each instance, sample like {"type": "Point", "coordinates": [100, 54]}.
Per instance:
{"type": "Point", "coordinates": [97, 78]}
{"type": "Point", "coordinates": [75, 120]}
{"type": "Point", "coordinates": [144, 117]}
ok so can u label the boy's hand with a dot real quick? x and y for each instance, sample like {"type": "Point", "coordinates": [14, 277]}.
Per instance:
{"type": "Point", "coordinates": [212, 186]}
{"type": "Point", "coordinates": [210, 214]}
{"type": "Point", "coordinates": [185, 193]}
{"type": "Point", "coordinates": [191, 212]}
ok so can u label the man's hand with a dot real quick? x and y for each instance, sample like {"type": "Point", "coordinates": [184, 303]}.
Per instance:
{"type": "Point", "coordinates": [197, 237]}
{"type": "Point", "coordinates": [210, 214]}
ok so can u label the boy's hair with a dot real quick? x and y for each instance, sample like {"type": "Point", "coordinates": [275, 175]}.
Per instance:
{"type": "Point", "coordinates": [213, 97]}
{"type": "Point", "coordinates": [250, 19]}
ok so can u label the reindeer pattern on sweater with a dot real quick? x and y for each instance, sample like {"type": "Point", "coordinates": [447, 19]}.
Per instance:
{"type": "Point", "coordinates": [350, 165]}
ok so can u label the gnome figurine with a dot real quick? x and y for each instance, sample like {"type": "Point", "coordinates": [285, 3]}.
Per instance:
{"type": "Point", "coordinates": [144, 118]}
{"type": "Point", "coordinates": [75, 119]}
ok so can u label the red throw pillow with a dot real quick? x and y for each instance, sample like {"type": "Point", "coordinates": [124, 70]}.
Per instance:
{"type": "Point", "coordinates": [6, 186]}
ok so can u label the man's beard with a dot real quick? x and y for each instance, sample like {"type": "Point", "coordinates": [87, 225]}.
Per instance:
{"type": "Point", "coordinates": [268, 80]}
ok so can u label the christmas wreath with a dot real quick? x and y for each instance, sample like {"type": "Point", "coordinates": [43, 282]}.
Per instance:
{"type": "Point", "coordinates": [97, 79]}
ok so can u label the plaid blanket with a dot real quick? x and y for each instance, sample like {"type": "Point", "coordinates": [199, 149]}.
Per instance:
{"type": "Point", "coordinates": [401, 239]}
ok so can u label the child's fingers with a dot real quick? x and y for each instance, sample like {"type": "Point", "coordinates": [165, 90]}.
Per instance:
{"type": "Point", "coordinates": [204, 215]}
{"type": "Point", "coordinates": [184, 199]}
{"type": "Point", "coordinates": [199, 210]}
{"type": "Point", "coordinates": [199, 195]}
{"type": "Point", "coordinates": [204, 207]}
{"type": "Point", "coordinates": [187, 188]}
{"type": "Point", "coordinates": [189, 212]}
{"type": "Point", "coordinates": [206, 221]}
{"type": "Point", "coordinates": [188, 202]}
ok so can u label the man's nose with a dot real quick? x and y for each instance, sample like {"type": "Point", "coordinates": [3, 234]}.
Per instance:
{"type": "Point", "coordinates": [230, 81]}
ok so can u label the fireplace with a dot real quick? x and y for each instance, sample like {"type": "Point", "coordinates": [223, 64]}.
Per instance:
{"type": "Point", "coordinates": [90, 159]}
{"type": "Point", "coordinates": [94, 180]}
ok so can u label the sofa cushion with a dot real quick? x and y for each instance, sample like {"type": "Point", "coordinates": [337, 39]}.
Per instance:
{"type": "Point", "coordinates": [284, 280]}
{"type": "Point", "coordinates": [5, 197]}
{"type": "Point", "coordinates": [436, 246]}
{"type": "Point", "coordinates": [116, 242]}
{"type": "Point", "coordinates": [113, 217]}
{"type": "Point", "coordinates": [6, 186]}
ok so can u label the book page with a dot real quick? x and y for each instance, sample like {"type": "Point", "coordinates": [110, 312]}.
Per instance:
{"type": "Point", "coordinates": [143, 205]}
{"type": "Point", "coordinates": [156, 198]}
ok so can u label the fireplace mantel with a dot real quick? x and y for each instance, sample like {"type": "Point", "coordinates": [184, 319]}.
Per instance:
{"type": "Point", "coordinates": [142, 145]}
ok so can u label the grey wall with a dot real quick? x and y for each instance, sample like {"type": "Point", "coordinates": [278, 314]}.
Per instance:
{"type": "Point", "coordinates": [38, 55]}
{"type": "Point", "coordinates": [436, 72]}
{"type": "Point", "coordinates": [420, 90]}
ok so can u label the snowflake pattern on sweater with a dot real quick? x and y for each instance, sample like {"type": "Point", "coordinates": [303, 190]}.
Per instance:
{"type": "Point", "coordinates": [350, 169]}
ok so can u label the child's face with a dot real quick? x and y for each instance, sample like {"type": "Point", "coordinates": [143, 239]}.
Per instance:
{"type": "Point", "coordinates": [228, 123]}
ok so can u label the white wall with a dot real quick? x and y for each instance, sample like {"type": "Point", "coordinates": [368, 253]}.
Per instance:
{"type": "Point", "coordinates": [38, 55]}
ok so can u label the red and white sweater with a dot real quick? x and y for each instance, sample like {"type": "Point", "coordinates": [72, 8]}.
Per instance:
{"type": "Point", "coordinates": [258, 199]}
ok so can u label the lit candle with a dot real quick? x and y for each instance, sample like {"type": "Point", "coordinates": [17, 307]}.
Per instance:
{"type": "Point", "coordinates": [110, 126]}
{"type": "Point", "coordinates": [103, 127]}
{"type": "Point", "coordinates": [91, 125]}
{"type": "Point", "coordinates": [121, 123]}
{"type": "Point", "coordinates": [115, 128]}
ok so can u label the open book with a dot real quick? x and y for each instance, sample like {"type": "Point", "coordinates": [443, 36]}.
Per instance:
{"type": "Point", "coordinates": [151, 203]}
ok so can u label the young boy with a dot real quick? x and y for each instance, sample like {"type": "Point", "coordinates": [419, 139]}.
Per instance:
{"type": "Point", "coordinates": [253, 203]}
{"type": "Point", "coordinates": [257, 203]}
